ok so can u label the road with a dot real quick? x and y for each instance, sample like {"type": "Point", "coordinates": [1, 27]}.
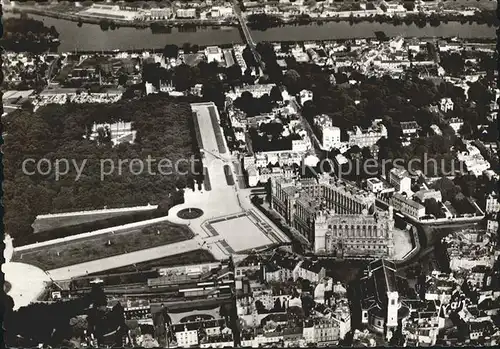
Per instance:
{"type": "Point", "coordinates": [51, 68]}
{"type": "Point", "coordinates": [248, 36]}
{"type": "Point", "coordinates": [305, 123]}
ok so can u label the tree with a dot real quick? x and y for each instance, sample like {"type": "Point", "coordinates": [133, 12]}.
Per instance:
{"type": "Point", "coordinates": [259, 306]}
{"type": "Point", "coordinates": [104, 24]}
{"type": "Point", "coordinates": [122, 79]}
{"type": "Point", "coordinates": [277, 306]}
{"type": "Point", "coordinates": [186, 47]}
{"type": "Point", "coordinates": [447, 188]}
{"type": "Point", "coordinates": [170, 51]}
{"type": "Point", "coordinates": [183, 78]}
{"type": "Point", "coordinates": [381, 36]}
{"type": "Point", "coordinates": [292, 81]}
{"type": "Point", "coordinates": [275, 94]}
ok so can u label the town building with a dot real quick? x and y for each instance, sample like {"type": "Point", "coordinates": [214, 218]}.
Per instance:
{"type": "Point", "coordinates": [257, 91]}
{"type": "Point", "coordinates": [400, 179]}
{"type": "Point", "coordinates": [186, 13]}
{"type": "Point", "coordinates": [309, 270]}
{"type": "Point", "coordinates": [492, 204]}
{"type": "Point", "coordinates": [304, 96]}
{"type": "Point", "coordinates": [456, 124]}
{"type": "Point", "coordinates": [446, 104]}
{"type": "Point", "coordinates": [214, 54]}
{"type": "Point", "coordinates": [468, 249]}
{"type": "Point", "coordinates": [374, 185]}
{"type": "Point", "coordinates": [409, 131]}
{"type": "Point", "coordinates": [221, 11]}
{"type": "Point", "coordinates": [228, 57]}
{"type": "Point", "coordinates": [111, 11]}
{"type": "Point", "coordinates": [321, 331]}
{"type": "Point", "coordinates": [474, 162]}
{"type": "Point", "coordinates": [492, 226]}
{"type": "Point", "coordinates": [280, 267]}
{"type": "Point", "coordinates": [422, 327]}
{"type": "Point", "coordinates": [426, 194]}
{"type": "Point", "coordinates": [407, 206]}
{"type": "Point", "coordinates": [161, 13]}
{"type": "Point", "coordinates": [119, 132]}
{"type": "Point", "coordinates": [202, 333]}
{"type": "Point", "coordinates": [367, 137]}
{"type": "Point", "coordinates": [329, 135]}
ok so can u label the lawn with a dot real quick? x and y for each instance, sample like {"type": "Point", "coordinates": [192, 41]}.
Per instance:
{"type": "Point", "coordinates": [88, 249]}
{"type": "Point", "coordinates": [192, 257]}
{"type": "Point", "coordinates": [206, 180]}
{"type": "Point", "coordinates": [50, 223]}
{"type": "Point", "coordinates": [217, 130]}
{"type": "Point", "coordinates": [229, 175]}
{"type": "Point", "coordinates": [197, 129]}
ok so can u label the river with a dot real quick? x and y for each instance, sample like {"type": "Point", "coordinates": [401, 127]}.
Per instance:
{"type": "Point", "coordinates": [90, 37]}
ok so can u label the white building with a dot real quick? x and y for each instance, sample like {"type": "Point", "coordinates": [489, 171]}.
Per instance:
{"type": "Point", "coordinates": [329, 134]}
{"type": "Point", "coordinates": [475, 163]}
{"type": "Point", "coordinates": [456, 124]}
{"type": "Point", "coordinates": [492, 226]}
{"type": "Point", "coordinates": [214, 54]}
{"type": "Point", "coordinates": [257, 91]}
{"type": "Point", "coordinates": [374, 185]}
{"type": "Point", "coordinates": [304, 96]}
{"type": "Point", "coordinates": [187, 337]}
{"type": "Point", "coordinates": [110, 11]}
{"type": "Point", "coordinates": [161, 13]}
{"type": "Point", "coordinates": [407, 206]}
{"type": "Point", "coordinates": [400, 179]}
{"type": "Point", "coordinates": [446, 104]}
{"type": "Point", "coordinates": [436, 129]}
{"type": "Point", "coordinates": [367, 137]}
{"type": "Point", "coordinates": [221, 12]}
{"type": "Point", "coordinates": [120, 132]}
{"type": "Point", "coordinates": [426, 194]}
{"type": "Point", "coordinates": [187, 334]}
{"type": "Point", "coordinates": [309, 270]}
{"type": "Point", "coordinates": [492, 204]}
{"type": "Point", "coordinates": [186, 13]}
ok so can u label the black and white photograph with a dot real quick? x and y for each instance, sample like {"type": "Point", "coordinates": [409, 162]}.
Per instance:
{"type": "Point", "coordinates": [250, 174]}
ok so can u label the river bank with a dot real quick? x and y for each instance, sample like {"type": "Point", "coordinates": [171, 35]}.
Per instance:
{"type": "Point", "coordinates": [265, 21]}
{"type": "Point", "coordinates": [73, 17]}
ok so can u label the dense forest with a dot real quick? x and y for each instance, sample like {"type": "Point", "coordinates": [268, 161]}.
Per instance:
{"type": "Point", "coordinates": [28, 35]}
{"type": "Point", "coordinates": [164, 131]}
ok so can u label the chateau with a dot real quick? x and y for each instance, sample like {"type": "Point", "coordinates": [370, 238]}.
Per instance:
{"type": "Point", "coordinates": [336, 217]}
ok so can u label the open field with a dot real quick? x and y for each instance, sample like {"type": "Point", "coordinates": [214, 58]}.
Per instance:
{"type": "Point", "coordinates": [84, 250]}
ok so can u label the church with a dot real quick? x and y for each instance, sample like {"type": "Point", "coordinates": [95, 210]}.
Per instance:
{"type": "Point", "coordinates": [382, 302]}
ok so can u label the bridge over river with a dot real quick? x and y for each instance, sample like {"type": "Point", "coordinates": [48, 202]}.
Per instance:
{"type": "Point", "coordinates": [247, 36]}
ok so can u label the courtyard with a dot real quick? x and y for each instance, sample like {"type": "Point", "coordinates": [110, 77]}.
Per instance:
{"type": "Point", "coordinates": [402, 243]}
{"type": "Point", "coordinates": [240, 233]}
